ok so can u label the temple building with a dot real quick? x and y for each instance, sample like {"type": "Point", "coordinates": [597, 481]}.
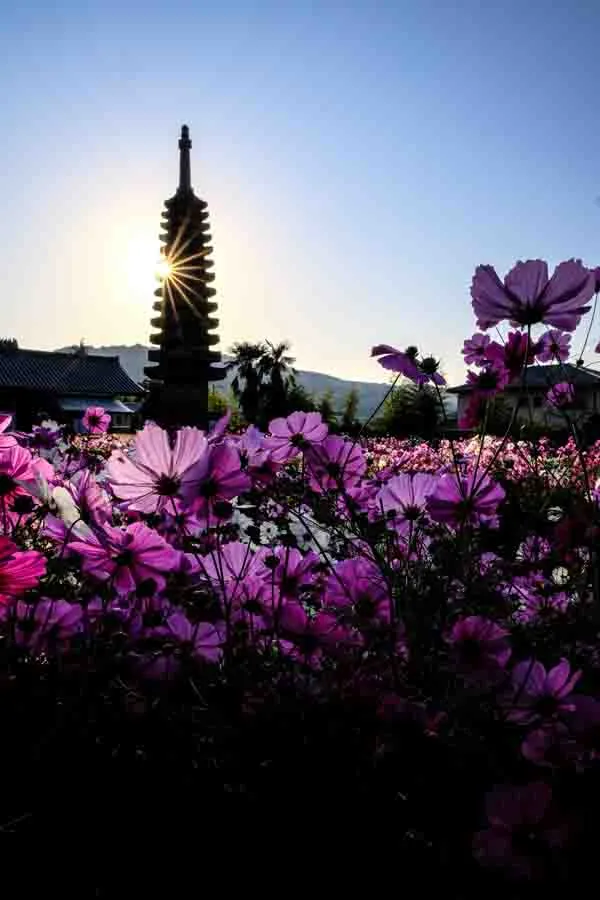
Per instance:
{"type": "Point", "coordinates": [38, 384]}
{"type": "Point", "coordinates": [182, 362]}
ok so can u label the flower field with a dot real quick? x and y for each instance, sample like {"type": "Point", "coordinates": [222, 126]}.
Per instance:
{"type": "Point", "coordinates": [296, 613]}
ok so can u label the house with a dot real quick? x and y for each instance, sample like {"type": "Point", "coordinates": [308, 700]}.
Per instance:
{"type": "Point", "coordinates": [529, 395]}
{"type": "Point", "coordinates": [37, 384]}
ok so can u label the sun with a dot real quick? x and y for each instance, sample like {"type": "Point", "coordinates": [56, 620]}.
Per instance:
{"type": "Point", "coordinates": [143, 266]}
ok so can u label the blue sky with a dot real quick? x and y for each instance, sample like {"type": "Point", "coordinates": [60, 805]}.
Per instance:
{"type": "Point", "coordinates": [359, 160]}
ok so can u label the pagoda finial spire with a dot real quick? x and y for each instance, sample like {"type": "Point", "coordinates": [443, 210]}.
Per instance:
{"type": "Point", "coordinates": [185, 176]}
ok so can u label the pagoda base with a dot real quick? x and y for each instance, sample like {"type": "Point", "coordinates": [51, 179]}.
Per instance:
{"type": "Point", "coordinates": [172, 406]}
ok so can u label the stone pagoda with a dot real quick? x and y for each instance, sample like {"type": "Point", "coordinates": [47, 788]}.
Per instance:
{"type": "Point", "coordinates": [183, 358]}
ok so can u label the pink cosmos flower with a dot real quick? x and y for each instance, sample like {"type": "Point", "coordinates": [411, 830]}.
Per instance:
{"type": "Point", "coordinates": [158, 474]}
{"type": "Point", "coordinates": [534, 605]}
{"type": "Point", "coordinates": [462, 499]}
{"type": "Point", "coordinates": [6, 440]}
{"type": "Point", "coordinates": [179, 639]}
{"type": "Point", "coordinates": [95, 420]}
{"type": "Point", "coordinates": [19, 570]}
{"type": "Point", "coordinates": [287, 568]}
{"type": "Point", "coordinates": [218, 478]}
{"type": "Point", "coordinates": [229, 562]}
{"type": "Point", "coordinates": [554, 345]}
{"type": "Point", "coordinates": [357, 584]}
{"type": "Point", "coordinates": [479, 643]}
{"type": "Point", "coordinates": [474, 349]}
{"type": "Point", "coordinates": [312, 634]}
{"type": "Point", "coordinates": [517, 352]}
{"type": "Point", "coordinates": [128, 556]}
{"type": "Point", "coordinates": [520, 824]}
{"type": "Point", "coordinates": [335, 463]}
{"type": "Point", "coordinates": [397, 361]}
{"type": "Point", "coordinates": [527, 295]}
{"type": "Point", "coordinates": [537, 694]}
{"type": "Point", "coordinates": [488, 381]}
{"type": "Point", "coordinates": [427, 371]}
{"type": "Point", "coordinates": [251, 602]}
{"type": "Point", "coordinates": [403, 500]}
{"type": "Point", "coordinates": [561, 395]}
{"type": "Point", "coordinates": [16, 466]}
{"type": "Point", "coordinates": [295, 433]}
{"type": "Point", "coordinates": [42, 625]}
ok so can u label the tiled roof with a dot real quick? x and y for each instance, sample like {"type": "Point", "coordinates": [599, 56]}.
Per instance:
{"type": "Point", "coordinates": [545, 376]}
{"type": "Point", "coordinates": [65, 373]}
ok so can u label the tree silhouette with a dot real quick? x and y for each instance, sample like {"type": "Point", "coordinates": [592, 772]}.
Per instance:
{"type": "Point", "coordinates": [247, 381]}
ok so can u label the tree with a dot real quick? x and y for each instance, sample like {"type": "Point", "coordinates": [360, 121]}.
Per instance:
{"type": "Point", "coordinates": [410, 411]}
{"type": "Point", "coordinates": [277, 376]}
{"type": "Point", "coordinates": [246, 384]}
{"type": "Point", "coordinates": [349, 424]}
{"type": "Point", "coordinates": [298, 398]}
{"type": "Point", "coordinates": [325, 407]}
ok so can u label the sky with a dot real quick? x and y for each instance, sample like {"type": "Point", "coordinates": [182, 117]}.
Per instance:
{"type": "Point", "coordinates": [359, 160]}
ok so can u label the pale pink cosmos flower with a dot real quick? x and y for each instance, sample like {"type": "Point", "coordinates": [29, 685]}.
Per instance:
{"type": "Point", "coordinates": [554, 345]}
{"type": "Point", "coordinates": [218, 478]}
{"type": "Point", "coordinates": [335, 464]}
{"type": "Point", "coordinates": [403, 500]}
{"type": "Point", "coordinates": [128, 556]}
{"type": "Point", "coordinates": [537, 694]}
{"type": "Point", "coordinates": [462, 499]}
{"type": "Point", "coordinates": [229, 562]}
{"type": "Point", "coordinates": [295, 433]}
{"type": "Point", "coordinates": [96, 420]}
{"type": "Point", "coordinates": [528, 296]}
{"type": "Point", "coordinates": [358, 585]}
{"type": "Point", "coordinates": [159, 473]}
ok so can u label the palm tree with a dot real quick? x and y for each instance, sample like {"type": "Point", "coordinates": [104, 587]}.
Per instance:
{"type": "Point", "coordinates": [278, 376]}
{"type": "Point", "coordinates": [247, 382]}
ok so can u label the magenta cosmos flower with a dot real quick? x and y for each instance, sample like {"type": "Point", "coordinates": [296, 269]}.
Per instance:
{"type": "Point", "coordinates": [479, 643]}
{"type": "Point", "coordinates": [296, 432]}
{"type": "Point", "coordinates": [335, 464]}
{"type": "Point", "coordinates": [464, 499]}
{"type": "Point", "coordinates": [218, 479]}
{"type": "Point", "coordinates": [561, 395]}
{"type": "Point", "coordinates": [537, 694]}
{"type": "Point", "coordinates": [159, 472]}
{"type": "Point", "coordinates": [527, 295]}
{"type": "Point", "coordinates": [358, 585]}
{"type": "Point", "coordinates": [42, 625]}
{"type": "Point", "coordinates": [488, 381]}
{"type": "Point", "coordinates": [96, 420]}
{"type": "Point", "coordinates": [229, 562]}
{"type": "Point", "coordinates": [128, 556]}
{"type": "Point", "coordinates": [287, 568]}
{"type": "Point", "coordinates": [554, 345]}
{"type": "Point", "coordinates": [517, 352]}
{"type": "Point", "coordinates": [474, 349]}
{"type": "Point", "coordinates": [312, 634]}
{"type": "Point", "coordinates": [397, 361]}
{"type": "Point", "coordinates": [521, 824]}
{"type": "Point", "coordinates": [19, 570]}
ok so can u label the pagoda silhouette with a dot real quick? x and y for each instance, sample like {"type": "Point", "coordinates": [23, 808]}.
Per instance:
{"type": "Point", "coordinates": [184, 361]}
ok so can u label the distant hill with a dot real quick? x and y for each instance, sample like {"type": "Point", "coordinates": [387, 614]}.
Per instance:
{"type": "Point", "coordinates": [134, 358]}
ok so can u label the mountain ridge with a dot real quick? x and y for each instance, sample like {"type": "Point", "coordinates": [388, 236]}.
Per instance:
{"type": "Point", "coordinates": [134, 357]}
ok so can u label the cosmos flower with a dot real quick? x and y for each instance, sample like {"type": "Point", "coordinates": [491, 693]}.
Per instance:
{"type": "Point", "coordinates": [96, 420]}
{"type": "Point", "coordinates": [398, 361]}
{"type": "Point", "coordinates": [537, 694]}
{"type": "Point", "coordinates": [128, 556]}
{"type": "Point", "coordinates": [464, 499]}
{"type": "Point", "coordinates": [561, 395]}
{"type": "Point", "coordinates": [19, 570]}
{"type": "Point", "coordinates": [403, 501]}
{"type": "Point", "coordinates": [358, 585]}
{"type": "Point", "coordinates": [295, 433]}
{"type": "Point", "coordinates": [335, 463]}
{"type": "Point", "coordinates": [520, 823]}
{"type": "Point", "coordinates": [553, 345]}
{"type": "Point", "coordinates": [527, 295]}
{"type": "Point", "coordinates": [474, 349]}
{"type": "Point", "coordinates": [158, 473]}
{"type": "Point", "coordinates": [218, 478]}
{"type": "Point", "coordinates": [479, 643]}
